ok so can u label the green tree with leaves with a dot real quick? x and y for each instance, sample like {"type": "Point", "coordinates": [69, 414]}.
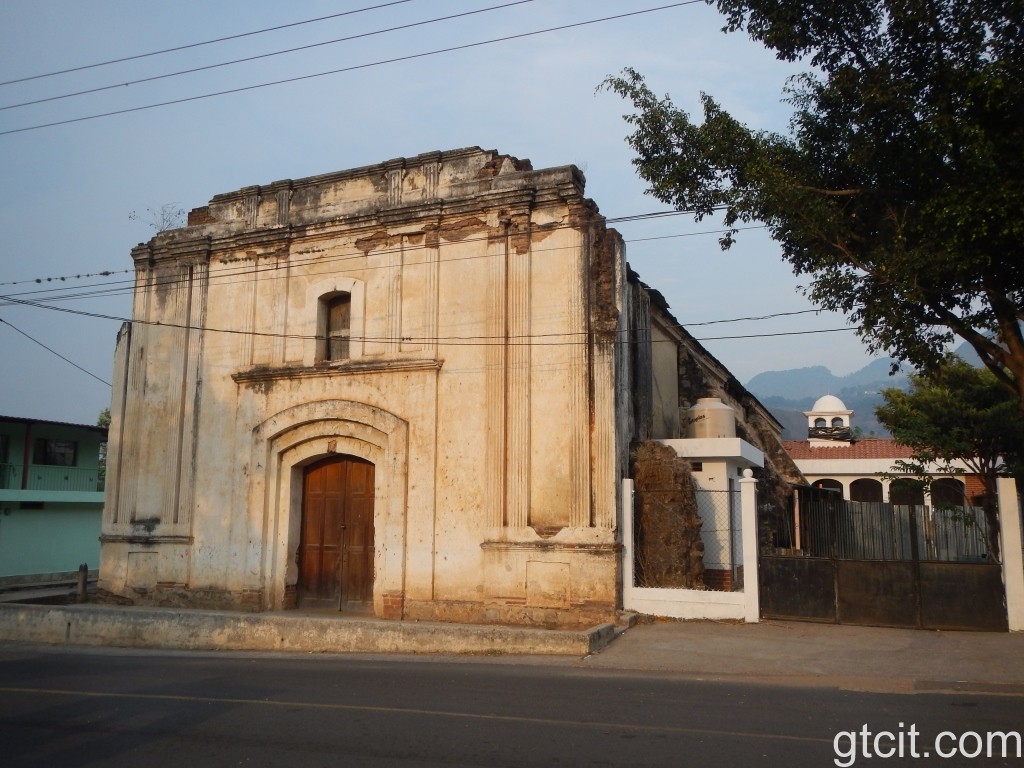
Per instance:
{"type": "Point", "coordinates": [899, 186]}
{"type": "Point", "coordinates": [957, 416]}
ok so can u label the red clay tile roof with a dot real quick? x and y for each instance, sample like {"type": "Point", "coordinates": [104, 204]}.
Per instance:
{"type": "Point", "coordinates": [867, 448]}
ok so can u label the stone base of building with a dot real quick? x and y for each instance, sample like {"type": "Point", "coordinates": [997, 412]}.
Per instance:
{"type": "Point", "coordinates": [180, 596]}
{"type": "Point", "coordinates": [468, 612]}
{"type": "Point", "coordinates": [393, 607]}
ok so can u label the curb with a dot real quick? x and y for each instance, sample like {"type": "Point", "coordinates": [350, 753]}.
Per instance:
{"type": "Point", "coordinates": [159, 628]}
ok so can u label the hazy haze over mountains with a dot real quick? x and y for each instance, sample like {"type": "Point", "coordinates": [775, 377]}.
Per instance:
{"type": "Point", "coordinates": [787, 394]}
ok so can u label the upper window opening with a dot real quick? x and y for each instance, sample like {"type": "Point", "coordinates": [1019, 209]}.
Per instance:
{"type": "Point", "coordinates": [820, 423]}
{"type": "Point", "coordinates": [837, 422]}
{"type": "Point", "coordinates": [62, 453]}
{"type": "Point", "coordinates": [339, 324]}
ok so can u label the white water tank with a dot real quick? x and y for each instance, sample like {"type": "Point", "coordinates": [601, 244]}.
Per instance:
{"type": "Point", "coordinates": [710, 417]}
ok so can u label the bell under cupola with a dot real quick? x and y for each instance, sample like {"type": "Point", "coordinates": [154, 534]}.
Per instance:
{"type": "Point", "coordinates": [828, 422]}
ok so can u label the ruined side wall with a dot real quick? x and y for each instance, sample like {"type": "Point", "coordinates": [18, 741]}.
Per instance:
{"type": "Point", "coordinates": [669, 549]}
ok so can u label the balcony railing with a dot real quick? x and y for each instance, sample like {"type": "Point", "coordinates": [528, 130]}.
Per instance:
{"type": "Point", "coordinates": [50, 478]}
{"type": "Point", "coordinates": [830, 433]}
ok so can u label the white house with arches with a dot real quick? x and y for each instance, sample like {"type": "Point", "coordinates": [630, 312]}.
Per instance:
{"type": "Point", "coordinates": [862, 469]}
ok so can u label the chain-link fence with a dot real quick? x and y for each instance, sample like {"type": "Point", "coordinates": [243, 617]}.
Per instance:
{"type": "Point", "coordinates": [721, 534]}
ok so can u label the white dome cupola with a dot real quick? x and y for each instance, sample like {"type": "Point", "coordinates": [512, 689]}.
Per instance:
{"type": "Point", "coordinates": [828, 422]}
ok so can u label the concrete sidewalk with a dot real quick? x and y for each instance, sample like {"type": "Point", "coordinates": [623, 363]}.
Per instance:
{"type": "Point", "coordinates": [803, 653]}
{"type": "Point", "coordinates": [790, 653]}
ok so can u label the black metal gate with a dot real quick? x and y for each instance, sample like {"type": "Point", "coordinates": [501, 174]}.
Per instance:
{"type": "Point", "coordinates": [879, 564]}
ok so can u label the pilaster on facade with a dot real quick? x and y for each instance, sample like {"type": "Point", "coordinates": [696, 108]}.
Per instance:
{"type": "Point", "coordinates": [579, 378]}
{"type": "Point", "coordinates": [495, 381]}
{"type": "Point", "coordinates": [284, 203]}
{"type": "Point", "coordinates": [431, 290]}
{"type": "Point", "coordinates": [395, 257]}
{"type": "Point", "coordinates": [605, 482]}
{"type": "Point", "coordinates": [517, 348]}
{"type": "Point", "coordinates": [252, 208]}
{"type": "Point", "coordinates": [190, 400]}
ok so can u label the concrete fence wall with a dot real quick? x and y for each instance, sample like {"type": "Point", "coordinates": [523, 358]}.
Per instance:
{"type": "Point", "coordinates": [695, 603]}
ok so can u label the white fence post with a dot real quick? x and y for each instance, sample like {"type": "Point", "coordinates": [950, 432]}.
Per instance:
{"type": "Point", "coordinates": [1010, 546]}
{"type": "Point", "coordinates": [628, 561]}
{"type": "Point", "coordinates": [748, 515]}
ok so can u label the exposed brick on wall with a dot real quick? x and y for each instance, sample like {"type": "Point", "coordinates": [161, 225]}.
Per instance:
{"type": "Point", "coordinates": [718, 580]}
{"type": "Point", "coordinates": [974, 488]}
{"type": "Point", "coordinates": [722, 580]}
{"type": "Point", "coordinates": [199, 216]}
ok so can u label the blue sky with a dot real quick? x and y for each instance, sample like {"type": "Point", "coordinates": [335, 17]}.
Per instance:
{"type": "Point", "coordinates": [67, 191]}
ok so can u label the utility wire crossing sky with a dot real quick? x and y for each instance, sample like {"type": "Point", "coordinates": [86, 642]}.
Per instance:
{"type": "Point", "coordinates": [354, 83]}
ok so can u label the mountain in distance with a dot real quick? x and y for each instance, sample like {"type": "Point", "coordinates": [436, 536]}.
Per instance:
{"type": "Point", "coordinates": [787, 394]}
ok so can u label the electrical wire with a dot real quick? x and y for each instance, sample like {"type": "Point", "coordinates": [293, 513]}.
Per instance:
{"type": "Point", "coordinates": [261, 56]}
{"type": "Point", "coordinates": [52, 351]}
{"type": "Point", "coordinates": [353, 68]}
{"type": "Point", "coordinates": [524, 339]}
{"type": "Point", "coordinates": [197, 45]}
{"type": "Point", "coordinates": [128, 286]}
{"type": "Point", "coordinates": [243, 271]}
{"type": "Point", "coordinates": [635, 217]}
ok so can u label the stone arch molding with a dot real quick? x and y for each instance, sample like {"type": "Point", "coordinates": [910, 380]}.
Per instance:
{"type": "Point", "coordinates": [290, 440]}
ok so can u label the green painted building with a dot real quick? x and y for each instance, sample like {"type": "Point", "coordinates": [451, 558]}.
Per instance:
{"type": "Point", "coordinates": [51, 496]}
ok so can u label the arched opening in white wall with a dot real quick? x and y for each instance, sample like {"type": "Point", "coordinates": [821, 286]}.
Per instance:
{"type": "Point", "coordinates": [948, 492]}
{"type": "Point", "coordinates": [904, 491]}
{"type": "Point", "coordinates": [867, 489]}
{"type": "Point", "coordinates": [828, 484]}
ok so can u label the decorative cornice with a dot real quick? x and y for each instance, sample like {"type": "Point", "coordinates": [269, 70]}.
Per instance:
{"type": "Point", "coordinates": [350, 368]}
{"type": "Point", "coordinates": [555, 546]}
{"type": "Point", "coordinates": [141, 538]}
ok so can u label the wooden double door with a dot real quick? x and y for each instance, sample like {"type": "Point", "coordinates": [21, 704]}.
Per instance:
{"type": "Point", "coordinates": [336, 549]}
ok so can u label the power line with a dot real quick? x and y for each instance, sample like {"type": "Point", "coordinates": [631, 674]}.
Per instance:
{"type": "Point", "coordinates": [781, 333]}
{"type": "Point", "coordinates": [397, 59]}
{"type": "Point", "coordinates": [197, 45]}
{"type": "Point", "coordinates": [128, 286]}
{"type": "Point", "coordinates": [248, 270]}
{"type": "Point", "coordinates": [760, 317]}
{"type": "Point", "coordinates": [54, 352]}
{"type": "Point", "coordinates": [255, 270]}
{"type": "Point", "coordinates": [525, 339]}
{"type": "Point", "coordinates": [680, 234]}
{"type": "Point", "coordinates": [262, 56]}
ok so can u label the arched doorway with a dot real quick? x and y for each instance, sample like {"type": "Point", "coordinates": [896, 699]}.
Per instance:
{"type": "Point", "coordinates": [335, 554]}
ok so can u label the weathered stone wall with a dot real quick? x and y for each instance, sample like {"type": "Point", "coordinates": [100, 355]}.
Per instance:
{"type": "Point", "coordinates": [669, 550]}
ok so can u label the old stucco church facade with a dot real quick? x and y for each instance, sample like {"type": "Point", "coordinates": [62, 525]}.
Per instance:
{"type": "Point", "coordinates": [389, 388]}
{"type": "Point", "coordinates": [406, 389]}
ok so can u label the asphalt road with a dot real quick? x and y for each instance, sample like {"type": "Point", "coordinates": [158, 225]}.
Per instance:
{"type": "Point", "coordinates": [61, 707]}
